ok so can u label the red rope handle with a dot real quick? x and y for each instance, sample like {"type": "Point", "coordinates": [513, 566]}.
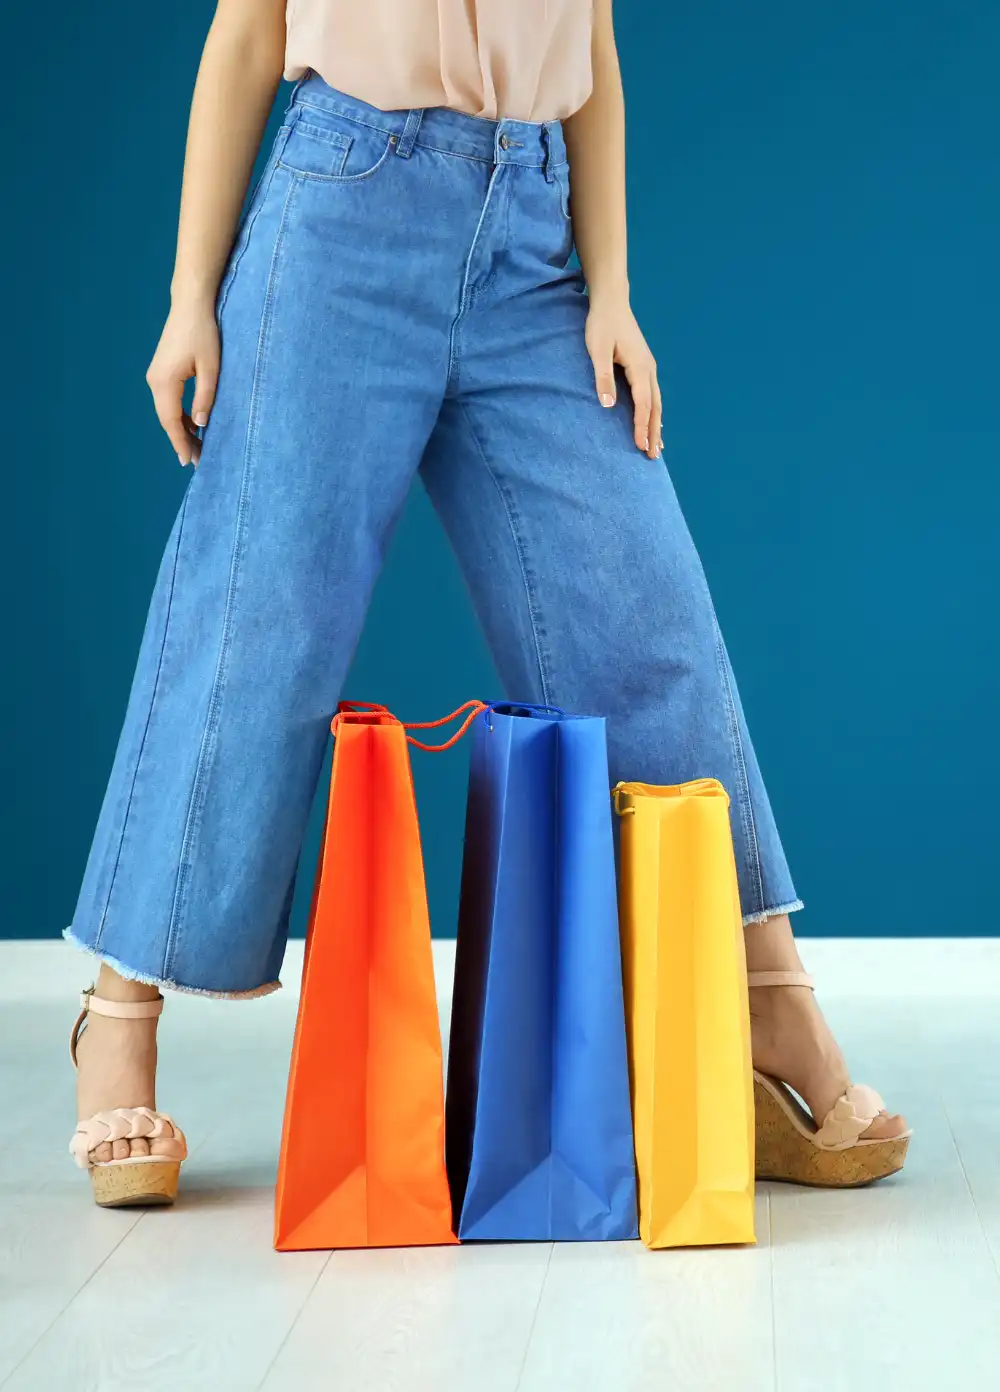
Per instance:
{"type": "Point", "coordinates": [473, 707]}
{"type": "Point", "coordinates": [372, 708]}
{"type": "Point", "coordinates": [356, 708]}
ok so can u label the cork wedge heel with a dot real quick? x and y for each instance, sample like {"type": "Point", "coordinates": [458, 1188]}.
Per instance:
{"type": "Point", "coordinates": [141, 1180]}
{"type": "Point", "coordinates": [791, 1147]}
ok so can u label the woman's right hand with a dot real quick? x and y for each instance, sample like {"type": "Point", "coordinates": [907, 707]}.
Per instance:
{"type": "Point", "coordinates": [188, 347]}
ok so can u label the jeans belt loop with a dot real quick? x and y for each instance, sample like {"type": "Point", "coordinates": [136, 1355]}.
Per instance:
{"type": "Point", "coordinates": [406, 142]}
{"type": "Point", "coordinates": [550, 167]}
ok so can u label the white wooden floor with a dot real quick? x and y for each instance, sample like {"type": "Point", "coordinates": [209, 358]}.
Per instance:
{"type": "Point", "coordinates": [897, 1287]}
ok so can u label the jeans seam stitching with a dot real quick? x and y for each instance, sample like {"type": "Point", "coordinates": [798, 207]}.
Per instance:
{"type": "Point", "coordinates": [331, 137]}
{"type": "Point", "coordinates": [564, 195]}
{"type": "Point", "coordinates": [257, 199]}
{"type": "Point", "coordinates": [206, 753]}
{"type": "Point", "coordinates": [456, 154]}
{"type": "Point", "coordinates": [465, 295]}
{"type": "Point", "coordinates": [333, 111]}
{"type": "Point", "coordinates": [749, 821]}
{"type": "Point", "coordinates": [512, 521]}
{"type": "Point", "coordinates": [478, 292]}
{"type": "Point", "coordinates": [149, 719]}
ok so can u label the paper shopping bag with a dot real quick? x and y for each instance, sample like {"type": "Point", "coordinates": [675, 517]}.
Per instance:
{"type": "Point", "coordinates": [539, 1135]}
{"type": "Point", "coordinates": [362, 1153]}
{"type": "Point", "coordinates": [688, 1015]}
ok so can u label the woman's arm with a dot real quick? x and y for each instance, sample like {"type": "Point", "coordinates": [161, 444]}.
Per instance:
{"type": "Point", "coordinates": [239, 74]}
{"type": "Point", "coordinates": [595, 137]}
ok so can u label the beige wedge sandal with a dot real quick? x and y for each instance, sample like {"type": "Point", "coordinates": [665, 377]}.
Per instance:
{"type": "Point", "coordinates": [142, 1179]}
{"type": "Point", "coordinates": [792, 1148]}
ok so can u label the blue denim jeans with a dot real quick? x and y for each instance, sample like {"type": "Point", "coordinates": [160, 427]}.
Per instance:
{"type": "Point", "coordinates": [401, 299]}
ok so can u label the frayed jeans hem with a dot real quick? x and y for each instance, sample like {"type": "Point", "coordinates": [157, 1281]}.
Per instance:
{"type": "Point", "coordinates": [776, 912]}
{"type": "Point", "coordinates": [131, 974]}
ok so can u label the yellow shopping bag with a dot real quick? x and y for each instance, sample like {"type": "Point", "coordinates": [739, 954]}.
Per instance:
{"type": "Point", "coordinates": [688, 1015]}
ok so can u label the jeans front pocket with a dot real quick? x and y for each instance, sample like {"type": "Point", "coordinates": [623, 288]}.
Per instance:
{"type": "Point", "coordinates": [322, 145]}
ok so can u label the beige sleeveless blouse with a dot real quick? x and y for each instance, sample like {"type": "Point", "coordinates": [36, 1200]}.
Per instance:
{"type": "Point", "coordinates": [524, 60]}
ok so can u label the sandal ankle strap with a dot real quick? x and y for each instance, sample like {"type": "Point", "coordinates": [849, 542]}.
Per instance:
{"type": "Point", "coordinates": [780, 978]}
{"type": "Point", "coordinates": [119, 1010]}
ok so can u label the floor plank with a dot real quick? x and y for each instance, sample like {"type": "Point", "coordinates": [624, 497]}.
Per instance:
{"type": "Point", "coordinates": [51, 1243]}
{"type": "Point", "coordinates": [894, 1285]}
{"type": "Point", "coordinates": [615, 1316]}
{"type": "Point", "coordinates": [425, 1320]}
{"type": "Point", "coordinates": [975, 1126]}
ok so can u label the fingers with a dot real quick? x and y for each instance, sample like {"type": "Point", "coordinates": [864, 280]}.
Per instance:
{"type": "Point", "coordinates": [602, 355]}
{"type": "Point", "coordinates": [204, 393]}
{"type": "Point", "coordinates": [642, 403]}
{"type": "Point", "coordinates": [629, 350]}
{"type": "Point", "coordinates": [647, 408]}
{"type": "Point", "coordinates": [167, 377]}
{"type": "Point", "coordinates": [168, 392]}
{"type": "Point", "coordinates": [656, 421]}
{"type": "Point", "coordinates": [206, 382]}
{"type": "Point", "coordinates": [641, 383]}
{"type": "Point", "coordinates": [194, 439]}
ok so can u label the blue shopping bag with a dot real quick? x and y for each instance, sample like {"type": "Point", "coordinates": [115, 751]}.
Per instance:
{"type": "Point", "coordinates": [539, 1126]}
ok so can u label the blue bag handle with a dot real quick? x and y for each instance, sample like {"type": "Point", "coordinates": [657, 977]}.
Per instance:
{"type": "Point", "coordinates": [519, 706]}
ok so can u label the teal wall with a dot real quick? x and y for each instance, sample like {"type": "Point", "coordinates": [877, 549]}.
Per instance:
{"type": "Point", "coordinates": [815, 217]}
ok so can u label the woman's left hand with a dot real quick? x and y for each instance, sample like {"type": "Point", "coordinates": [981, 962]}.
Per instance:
{"type": "Point", "coordinates": [613, 336]}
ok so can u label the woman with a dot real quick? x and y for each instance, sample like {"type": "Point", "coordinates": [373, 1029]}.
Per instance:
{"type": "Point", "coordinates": [401, 298]}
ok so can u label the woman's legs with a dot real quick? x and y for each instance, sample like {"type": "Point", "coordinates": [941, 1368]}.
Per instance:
{"type": "Point", "coordinates": [592, 595]}
{"type": "Point", "coordinates": [331, 380]}
{"type": "Point", "coordinates": [335, 320]}
{"type": "Point", "coordinates": [593, 599]}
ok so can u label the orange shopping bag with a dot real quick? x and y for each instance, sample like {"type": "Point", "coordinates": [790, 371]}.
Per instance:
{"type": "Point", "coordinates": [362, 1146]}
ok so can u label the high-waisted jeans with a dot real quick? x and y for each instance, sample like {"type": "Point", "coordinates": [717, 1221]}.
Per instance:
{"type": "Point", "coordinates": [401, 299]}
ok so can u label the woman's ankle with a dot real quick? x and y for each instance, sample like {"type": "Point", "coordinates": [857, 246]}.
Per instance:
{"type": "Point", "coordinates": [111, 986]}
{"type": "Point", "coordinates": [770, 945]}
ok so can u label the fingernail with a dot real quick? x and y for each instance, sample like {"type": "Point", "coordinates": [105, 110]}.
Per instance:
{"type": "Point", "coordinates": [201, 418]}
{"type": "Point", "coordinates": [645, 444]}
{"type": "Point", "coordinates": [183, 461]}
{"type": "Point", "coordinates": [607, 399]}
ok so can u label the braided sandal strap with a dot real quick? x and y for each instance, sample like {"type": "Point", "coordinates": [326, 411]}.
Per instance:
{"type": "Point", "coordinates": [127, 1124]}
{"type": "Point", "coordinates": [849, 1118]}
